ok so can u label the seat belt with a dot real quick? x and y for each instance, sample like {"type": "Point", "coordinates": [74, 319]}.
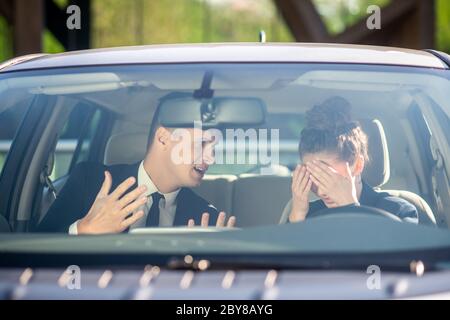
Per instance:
{"type": "Point", "coordinates": [46, 174]}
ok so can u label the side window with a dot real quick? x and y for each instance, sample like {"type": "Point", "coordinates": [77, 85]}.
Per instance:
{"type": "Point", "coordinates": [75, 141]}
{"type": "Point", "coordinates": [443, 119]}
{"type": "Point", "coordinates": [85, 141]}
{"type": "Point", "coordinates": [10, 120]}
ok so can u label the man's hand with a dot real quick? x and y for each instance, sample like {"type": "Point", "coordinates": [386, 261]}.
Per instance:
{"type": "Point", "coordinates": [301, 185]}
{"type": "Point", "coordinates": [112, 212]}
{"type": "Point", "coordinates": [340, 189]}
{"type": "Point", "coordinates": [220, 223]}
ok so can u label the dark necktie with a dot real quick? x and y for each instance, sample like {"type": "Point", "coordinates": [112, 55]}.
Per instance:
{"type": "Point", "coordinates": [153, 213]}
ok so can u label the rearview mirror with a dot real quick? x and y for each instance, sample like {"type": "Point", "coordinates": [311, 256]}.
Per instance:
{"type": "Point", "coordinates": [212, 113]}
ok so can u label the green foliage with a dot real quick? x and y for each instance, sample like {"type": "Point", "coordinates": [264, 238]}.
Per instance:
{"type": "Point", "coordinates": [135, 22]}
{"type": "Point", "coordinates": [443, 25]}
{"type": "Point", "coordinates": [340, 14]}
{"type": "Point", "coordinates": [50, 44]}
{"type": "Point", "coordinates": [62, 4]}
{"type": "Point", "coordinates": [125, 22]}
{"type": "Point", "coordinates": [6, 49]}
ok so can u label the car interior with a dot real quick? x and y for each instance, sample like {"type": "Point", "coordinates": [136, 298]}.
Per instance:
{"type": "Point", "coordinates": [114, 125]}
{"type": "Point", "coordinates": [257, 199]}
{"type": "Point", "coordinates": [242, 194]}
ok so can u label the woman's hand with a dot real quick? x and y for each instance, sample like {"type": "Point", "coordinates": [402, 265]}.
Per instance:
{"type": "Point", "coordinates": [301, 185]}
{"type": "Point", "coordinates": [341, 190]}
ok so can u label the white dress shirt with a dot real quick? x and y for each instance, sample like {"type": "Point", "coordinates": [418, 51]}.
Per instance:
{"type": "Point", "coordinates": [167, 205]}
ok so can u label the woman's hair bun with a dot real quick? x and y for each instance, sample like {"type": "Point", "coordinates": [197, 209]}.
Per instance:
{"type": "Point", "coordinates": [329, 127]}
{"type": "Point", "coordinates": [333, 115]}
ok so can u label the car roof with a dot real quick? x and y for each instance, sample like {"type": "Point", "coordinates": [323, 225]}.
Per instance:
{"type": "Point", "coordinates": [230, 52]}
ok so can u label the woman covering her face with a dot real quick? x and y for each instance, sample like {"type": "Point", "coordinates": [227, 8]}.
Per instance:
{"type": "Point", "coordinates": [333, 151]}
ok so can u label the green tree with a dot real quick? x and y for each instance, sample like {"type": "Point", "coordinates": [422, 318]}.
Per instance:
{"type": "Point", "coordinates": [136, 22]}
{"type": "Point", "coordinates": [341, 14]}
{"type": "Point", "coordinates": [443, 25]}
{"type": "Point", "coordinates": [6, 48]}
{"type": "Point", "coordinates": [125, 22]}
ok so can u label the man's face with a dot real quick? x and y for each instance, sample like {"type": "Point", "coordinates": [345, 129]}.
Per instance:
{"type": "Point", "coordinates": [191, 155]}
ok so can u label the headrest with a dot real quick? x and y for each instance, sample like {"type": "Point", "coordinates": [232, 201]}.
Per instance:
{"type": "Point", "coordinates": [126, 148]}
{"type": "Point", "coordinates": [377, 171]}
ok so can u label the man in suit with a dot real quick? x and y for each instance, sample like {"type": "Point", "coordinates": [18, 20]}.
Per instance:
{"type": "Point", "coordinates": [98, 199]}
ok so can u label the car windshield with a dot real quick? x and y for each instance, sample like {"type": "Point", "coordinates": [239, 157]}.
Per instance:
{"type": "Point", "coordinates": [53, 121]}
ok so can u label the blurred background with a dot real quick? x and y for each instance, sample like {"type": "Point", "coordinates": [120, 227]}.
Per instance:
{"type": "Point", "coordinates": [29, 26]}
{"type": "Point", "coordinates": [32, 26]}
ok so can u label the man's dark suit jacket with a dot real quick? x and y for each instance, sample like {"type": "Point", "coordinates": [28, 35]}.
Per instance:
{"type": "Point", "coordinates": [83, 185]}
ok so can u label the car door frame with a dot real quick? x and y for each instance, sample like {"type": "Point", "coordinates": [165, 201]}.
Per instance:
{"type": "Point", "coordinates": [96, 151]}
{"type": "Point", "coordinates": [29, 153]}
{"type": "Point", "coordinates": [21, 153]}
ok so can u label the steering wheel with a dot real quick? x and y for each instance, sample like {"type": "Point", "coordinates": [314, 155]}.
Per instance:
{"type": "Point", "coordinates": [353, 210]}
